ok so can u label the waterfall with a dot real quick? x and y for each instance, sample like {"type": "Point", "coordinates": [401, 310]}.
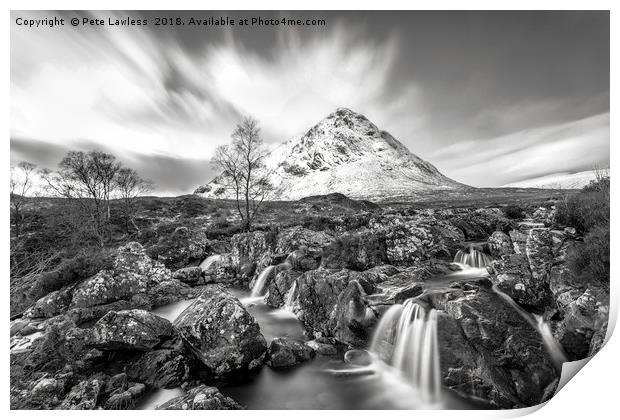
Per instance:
{"type": "Point", "coordinates": [290, 297]}
{"type": "Point", "coordinates": [411, 331]}
{"type": "Point", "coordinates": [209, 261]}
{"type": "Point", "coordinates": [290, 260]}
{"type": "Point", "coordinates": [538, 323]}
{"type": "Point", "coordinates": [261, 281]}
{"type": "Point", "coordinates": [473, 258]}
{"type": "Point", "coordinates": [553, 347]}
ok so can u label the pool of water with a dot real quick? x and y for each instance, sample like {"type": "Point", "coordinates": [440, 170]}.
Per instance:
{"type": "Point", "coordinates": [326, 382]}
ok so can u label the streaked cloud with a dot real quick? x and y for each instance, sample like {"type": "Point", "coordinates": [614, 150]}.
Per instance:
{"type": "Point", "coordinates": [162, 100]}
{"type": "Point", "coordinates": [577, 146]}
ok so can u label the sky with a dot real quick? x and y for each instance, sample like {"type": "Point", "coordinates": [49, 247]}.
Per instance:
{"type": "Point", "coordinates": [489, 98]}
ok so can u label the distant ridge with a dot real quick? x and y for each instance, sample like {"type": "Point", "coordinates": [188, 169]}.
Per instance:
{"type": "Point", "coordinates": [562, 180]}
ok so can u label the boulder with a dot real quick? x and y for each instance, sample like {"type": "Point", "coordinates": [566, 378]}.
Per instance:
{"type": "Point", "coordinates": [224, 270]}
{"type": "Point", "coordinates": [544, 215]}
{"type": "Point", "coordinates": [411, 239]}
{"type": "Point", "coordinates": [126, 399]}
{"type": "Point", "coordinates": [169, 291]}
{"type": "Point", "coordinates": [538, 248]}
{"type": "Point", "coordinates": [353, 316]}
{"type": "Point", "coordinates": [221, 333]}
{"type": "Point", "coordinates": [504, 354]}
{"type": "Point", "coordinates": [48, 390]}
{"type": "Point", "coordinates": [83, 396]}
{"type": "Point", "coordinates": [133, 273]}
{"type": "Point", "coordinates": [323, 346]}
{"type": "Point", "coordinates": [299, 238]}
{"type": "Point", "coordinates": [512, 275]}
{"type": "Point", "coordinates": [286, 352]}
{"type": "Point", "coordinates": [250, 247]}
{"type": "Point", "coordinates": [280, 287]}
{"type": "Point", "coordinates": [180, 248]}
{"type": "Point", "coordinates": [129, 330]}
{"type": "Point", "coordinates": [356, 251]}
{"type": "Point", "coordinates": [188, 275]}
{"type": "Point", "coordinates": [50, 305]}
{"type": "Point", "coordinates": [500, 244]}
{"type": "Point", "coordinates": [582, 322]}
{"type": "Point", "coordinates": [105, 287]}
{"type": "Point", "coordinates": [82, 315]}
{"type": "Point", "coordinates": [50, 351]}
{"type": "Point", "coordinates": [519, 240]}
{"type": "Point", "coordinates": [317, 297]}
{"type": "Point", "coordinates": [489, 350]}
{"type": "Point", "coordinates": [162, 368]}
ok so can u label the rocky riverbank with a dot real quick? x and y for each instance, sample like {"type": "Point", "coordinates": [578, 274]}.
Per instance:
{"type": "Point", "coordinates": [94, 342]}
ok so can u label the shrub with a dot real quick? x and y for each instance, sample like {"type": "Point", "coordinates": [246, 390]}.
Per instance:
{"type": "Point", "coordinates": [514, 212]}
{"type": "Point", "coordinates": [590, 260]}
{"type": "Point", "coordinates": [586, 209]}
{"type": "Point", "coordinates": [87, 263]}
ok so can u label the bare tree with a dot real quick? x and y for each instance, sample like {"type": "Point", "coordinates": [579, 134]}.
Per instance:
{"type": "Point", "coordinates": [87, 178]}
{"type": "Point", "coordinates": [129, 185]}
{"type": "Point", "coordinates": [21, 183]}
{"type": "Point", "coordinates": [242, 166]}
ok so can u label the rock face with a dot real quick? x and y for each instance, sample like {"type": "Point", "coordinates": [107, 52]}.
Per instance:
{"type": "Point", "coordinates": [130, 330]}
{"type": "Point", "coordinates": [489, 350]}
{"type": "Point", "coordinates": [286, 352]}
{"type": "Point", "coordinates": [201, 398]}
{"type": "Point", "coordinates": [317, 298]}
{"type": "Point", "coordinates": [280, 287]}
{"type": "Point", "coordinates": [345, 153]}
{"type": "Point", "coordinates": [163, 368]}
{"type": "Point", "coordinates": [523, 272]}
{"type": "Point", "coordinates": [249, 248]}
{"type": "Point", "coordinates": [221, 333]}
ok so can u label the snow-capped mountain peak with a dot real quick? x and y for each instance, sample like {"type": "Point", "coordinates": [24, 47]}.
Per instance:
{"type": "Point", "coordinates": [345, 152]}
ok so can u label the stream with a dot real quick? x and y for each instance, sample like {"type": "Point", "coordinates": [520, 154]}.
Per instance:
{"type": "Point", "coordinates": [326, 382]}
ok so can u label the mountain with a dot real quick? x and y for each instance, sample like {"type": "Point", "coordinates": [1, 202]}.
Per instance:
{"type": "Point", "coordinates": [562, 180]}
{"type": "Point", "coordinates": [348, 154]}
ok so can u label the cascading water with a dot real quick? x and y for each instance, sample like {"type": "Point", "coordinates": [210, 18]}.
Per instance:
{"type": "Point", "coordinates": [473, 258]}
{"type": "Point", "coordinates": [553, 347]}
{"type": "Point", "coordinates": [290, 260]}
{"type": "Point", "coordinates": [411, 332]}
{"type": "Point", "coordinates": [261, 281]}
{"type": "Point", "coordinates": [537, 322]}
{"type": "Point", "coordinates": [290, 297]}
{"type": "Point", "coordinates": [209, 261]}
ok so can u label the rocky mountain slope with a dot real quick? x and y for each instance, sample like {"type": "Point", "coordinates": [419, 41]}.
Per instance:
{"type": "Point", "coordinates": [345, 153]}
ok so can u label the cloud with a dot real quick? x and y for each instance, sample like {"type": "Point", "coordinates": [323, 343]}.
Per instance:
{"type": "Point", "coordinates": [174, 176]}
{"type": "Point", "coordinates": [163, 99]}
{"type": "Point", "coordinates": [568, 147]}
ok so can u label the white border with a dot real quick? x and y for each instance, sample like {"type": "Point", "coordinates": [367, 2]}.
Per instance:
{"type": "Point", "coordinates": [591, 394]}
